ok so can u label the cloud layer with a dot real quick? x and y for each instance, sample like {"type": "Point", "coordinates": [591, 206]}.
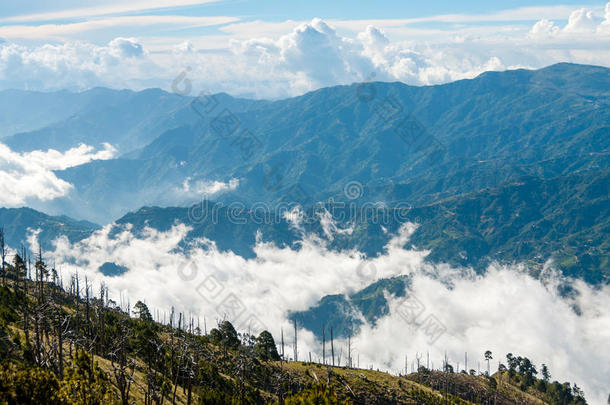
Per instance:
{"type": "Point", "coordinates": [198, 188]}
{"type": "Point", "coordinates": [27, 176]}
{"type": "Point", "coordinates": [504, 310]}
{"type": "Point", "coordinates": [263, 59]}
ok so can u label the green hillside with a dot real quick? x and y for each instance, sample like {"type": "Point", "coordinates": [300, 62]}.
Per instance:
{"type": "Point", "coordinates": [75, 347]}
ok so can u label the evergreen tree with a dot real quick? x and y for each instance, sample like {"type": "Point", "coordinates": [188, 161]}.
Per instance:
{"type": "Point", "coordinates": [142, 312]}
{"type": "Point", "coordinates": [265, 347]}
{"type": "Point", "coordinates": [225, 335]}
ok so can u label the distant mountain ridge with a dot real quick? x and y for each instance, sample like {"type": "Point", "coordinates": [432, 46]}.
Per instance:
{"type": "Point", "coordinates": [565, 219]}
{"type": "Point", "coordinates": [486, 150]}
{"type": "Point", "coordinates": [126, 119]}
{"type": "Point", "coordinates": [475, 134]}
{"type": "Point", "coordinates": [510, 167]}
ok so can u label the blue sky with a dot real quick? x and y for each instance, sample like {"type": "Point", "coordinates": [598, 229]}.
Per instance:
{"type": "Point", "coordinates": [65, 12]}
{"type": "Point", "coordinates": [276, 10]}
{"type": "Point", "coordinates": [273, 48]}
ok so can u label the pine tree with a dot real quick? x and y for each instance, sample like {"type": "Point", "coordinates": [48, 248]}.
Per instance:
{"type": "Point", "coordinates": [265, 347]}
{"type": "Point", "coordinates": [488, 358]}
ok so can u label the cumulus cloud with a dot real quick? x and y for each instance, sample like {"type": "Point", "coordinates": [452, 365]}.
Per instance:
{"type": "Point", "coordinates": [313, 55]}
{"type": "Point", "coordinates": [544, 28]}
{"type": "Point", "coordinates": [25, 176]}
{"type": "Point", "coordinates": [271, 60]}
{"type": "Point", "coordinates": [121, 63]}
{"type": "Point", "coordinates": [503, 310]}
{"type": "Point", "coordinates": [604, 27]}
{"type": "Point", "coordinates": [582, 20]}
{"type": "Point", "coordinates": [125, 47]}
{"type": "Point", "coordinates": [374, 43]}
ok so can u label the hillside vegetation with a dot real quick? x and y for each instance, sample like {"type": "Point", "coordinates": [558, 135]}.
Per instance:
{"type": "Point", "coordinates": [68, 345]}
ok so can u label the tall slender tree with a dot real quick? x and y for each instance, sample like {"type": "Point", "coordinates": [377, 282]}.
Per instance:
{"type": "Point", "coordinates": [488, 357]}
{"type": "Point", "coordinates": [3, 255]}
{"type": "Point", "coordinates": [323, 346]}
{"type": "Point", "coordinates": [296, 350]}
{"type": "Point", "coordinates": [332, 347]}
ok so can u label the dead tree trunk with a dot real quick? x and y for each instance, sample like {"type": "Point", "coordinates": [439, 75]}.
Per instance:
{"type": "Point", "coordinates": [323, 346]}
{"type": "Point", "coordinates": [296, 352]}
{"type": "Point", "coordinates": [3, 255]}
{"type": "Point", "coordinates": [332, 347]}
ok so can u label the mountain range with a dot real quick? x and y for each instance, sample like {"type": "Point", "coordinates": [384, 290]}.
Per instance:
{"type": "Point", "coordinates": [509, 166]}
{"type": "Point", "coordinates": [401, 143]}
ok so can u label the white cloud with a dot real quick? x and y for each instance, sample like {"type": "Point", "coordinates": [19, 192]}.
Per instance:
{"type": "Point", "coordinates": [125, 47]}
{"type": "Point", "coordinates": [517, 14]}
{"type": "Point", "coordinates": [184, 47]}
{"type": "Point", "coordinates": [582, 20]}
{"type": "Point", "coordinates": [520, 14]}
{"type": "Point", "coordinates": [202, 188]}
{"type": "Point", "coordinates": [315, 55]}
{"type": "Point", "coordinates": [583, 29]}
{"type": "Point", "coordinates": [504, 310]}
{"type": "Point", "coordinates": [76, 65]}
{"type": "Point", "coordinates": [30, 175]}
{"type": "Point", "coordinates": [374, 44]}
{"type": "Point", "coordinates": [604, 27]}
{"type": "Point", "coordinates": [544, 28]}
{"type": "Point", "coordinates": [280, 59]}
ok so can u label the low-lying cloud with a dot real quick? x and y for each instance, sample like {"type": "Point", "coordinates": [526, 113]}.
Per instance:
{"type": "Point", "coordinates": [198, 188]}
{"type": "Point", "coordinates": [504, 310]}
{"type": "Point", "coordinates": [29, 176]}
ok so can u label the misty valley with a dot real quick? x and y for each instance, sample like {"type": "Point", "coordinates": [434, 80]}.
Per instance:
{"type": "Point", "coordinates": [298, 231]}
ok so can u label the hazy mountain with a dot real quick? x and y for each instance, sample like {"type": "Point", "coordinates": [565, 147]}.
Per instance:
{"type": "Point", "coordinates": [126, 119]}
{"type": "Point", "coordinates": [528, 220]}
{"type": "Point", "coordinates": [402, 143]}
{"type": "Point", "coordinates": [22, 111]}
{"type": "Point", "coordinates": [510, 167]}
{"type": "Point", "coordinates": [492, 146]}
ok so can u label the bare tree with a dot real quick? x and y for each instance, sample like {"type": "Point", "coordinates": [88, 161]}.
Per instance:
{"type": "Point", "coordinates": [3, 255]}
{"type": "Point", "coordinates": [349, 350]}
{"type": "Point", "coordinates": [39, 310]}
{"type": "Point", "coordinates": [123, 367]}
{"type": "Point", "coordinates": [296, 352]}
{"type": "Point", "coordinates": [62, 327]}
{"type": "Point", "coordinates": [181, 343]}
{"type": "Point", "coordinates": [282, 333]}
{"type": "Point", "coordinates": [323, 346]}
{"type": "Point", "coordinates": [21, 273]}
{"type": "Point", "coordinates": [332, 347]}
